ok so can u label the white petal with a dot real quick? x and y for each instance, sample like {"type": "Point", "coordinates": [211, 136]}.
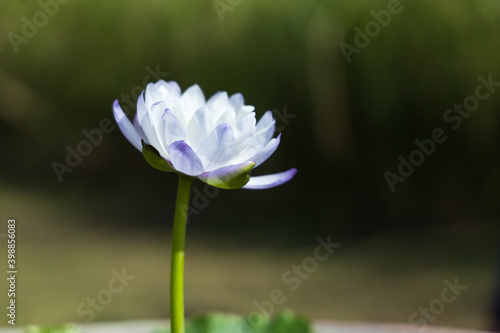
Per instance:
{"type": "Point", "coordinates": [155, 93]}
{"type": "Point", "coordinates": [266, 152]}
{"type": "Point", "coordinates": [156, 112]}
{"type": "Point", "coordinates": [167, 92]}
{"type": "Point", "coordinates": [141, 108]}
{"type": "Point", "coordinates": [254, 144]}
{"type": "Point", "coordinates": [170, 93]}
{"type": "Point", "coordinates": [243, 132]}
{"type": "Point", "coordinates": [264, 130]}
{"type": "Point", "coordinates": [192, 100]}
{"type": "Point", "coordinates": [269, 181]}
{"type": "Point", "coordinates": [217, 148]}
{"type": "Point", "coordinates": [228, 117]}
{"type": "Point", "coordinates": [153, 130]}
{"type": "Point", "coordinates": [265, 121]}
{"type": "Point", "coordinates": [155, 115]}
{"type": "Point", "coordinates": [174, 131]}
{"type": "Point", "coordinates": [199, 127]}
{"type": "Point", "coordinates": [248, 108]}
{"type": "Point", "coordinates": [213, 98]}
{"type": "Point", "coordinates": [178, 112]}
{"type": "Point", "coordinates": [246, 125]}
{"type": "Point", "coordinates": [237, 101]}
{"type": "Point", "coordinates": [174, 90]}
{"type": "Point", "coordinates": [138, 128]}
{"type": "Point", "coordinates": [218, 104]}
{"type": "Point", "coordinates": [245, 109]}
{"type": "Point", "coordinates": [126, 126]}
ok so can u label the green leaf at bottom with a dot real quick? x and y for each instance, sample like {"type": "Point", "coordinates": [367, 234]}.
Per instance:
{"type": "Point", "coordinates": [284, 322]}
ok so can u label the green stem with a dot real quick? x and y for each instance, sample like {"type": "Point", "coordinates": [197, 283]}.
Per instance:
{"type": "Point", "coordinates": [178, 245]}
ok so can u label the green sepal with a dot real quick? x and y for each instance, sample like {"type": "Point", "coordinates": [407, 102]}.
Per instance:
{"type": "Point", "coordinates": [153, 157]}
{"type": "Point", "coordinates": [237, 176]}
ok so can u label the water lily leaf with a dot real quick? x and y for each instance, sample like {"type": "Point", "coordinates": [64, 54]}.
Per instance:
{"type": "Point", "coordinates": [153, 157]}
{"type": "Point", "coordinates": [284, 322]}
{"type": "Point", "coordinates": [216, 323]}
{"type": "Point", "coordinates": [289, 322]}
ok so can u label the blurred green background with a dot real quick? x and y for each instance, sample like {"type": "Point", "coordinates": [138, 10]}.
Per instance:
{"type": "Point", "coordinates": [345, 121]}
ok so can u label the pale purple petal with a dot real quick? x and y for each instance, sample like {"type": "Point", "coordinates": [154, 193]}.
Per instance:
{"type": "Point", "coordinates": [184, 159]}
{"type": "Point", "coordinates": [269, 181]}
{"type": "Point", "coordinates": [223, 177]}
{"type": "Point", "coordinates": [126, 126]}
{"type": "Point", "coordinates": [225, 171]}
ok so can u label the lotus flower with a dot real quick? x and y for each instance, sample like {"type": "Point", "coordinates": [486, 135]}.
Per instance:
{"type": "Point", "coordinates": [217, 141]}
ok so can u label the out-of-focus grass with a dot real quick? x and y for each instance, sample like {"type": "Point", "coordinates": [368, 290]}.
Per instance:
{"type": "Point", "coordinates": [380, 278]}
{"type": "Point", "coordinates": [354, 118]}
